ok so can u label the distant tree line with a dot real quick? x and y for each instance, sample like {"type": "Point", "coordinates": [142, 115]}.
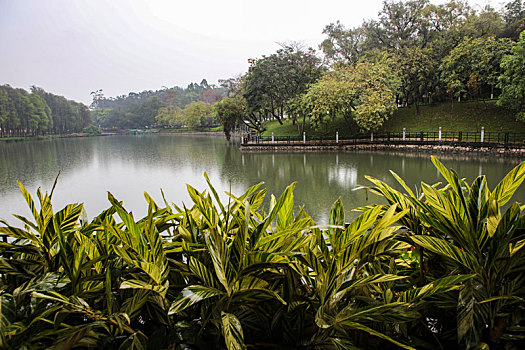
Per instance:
{"type": "Point", "coordinates": [39, 112]}
{"type": "Point", "coordinates": [413, 53]}
{"type": "Point", "coordinates": [175, 107]}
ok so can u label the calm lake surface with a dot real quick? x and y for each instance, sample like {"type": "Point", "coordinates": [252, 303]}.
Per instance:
{"type": "Point", "coordinates": [127, 166]}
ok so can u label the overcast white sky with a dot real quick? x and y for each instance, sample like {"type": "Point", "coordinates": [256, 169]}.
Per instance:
{"type": "Point", "coordinates": [73, 47]}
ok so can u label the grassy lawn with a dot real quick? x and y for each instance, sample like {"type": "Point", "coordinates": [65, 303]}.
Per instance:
{"type": "Point", "coordinates": [216, 128]}
{"type": "Point", "coordinates": [464, 116]}
{"type": "Point", "coordinates": [288, 129]}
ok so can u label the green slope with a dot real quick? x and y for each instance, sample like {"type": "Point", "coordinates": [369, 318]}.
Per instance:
{"type": "Point", "coordinates": [464, 116]}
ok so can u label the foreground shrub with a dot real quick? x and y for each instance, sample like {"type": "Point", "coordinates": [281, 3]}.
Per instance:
{"type": "Point", "coordinates": [459, 228]}
{"type": "Point", "coordinates": [235, 275]}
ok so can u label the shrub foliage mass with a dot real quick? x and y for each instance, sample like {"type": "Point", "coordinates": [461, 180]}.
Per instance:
{"type": "Point", "coordinates": [441, 267]}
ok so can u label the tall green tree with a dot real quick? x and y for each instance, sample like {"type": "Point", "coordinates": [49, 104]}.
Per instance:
{"type": "Point", "coordinates": [169, 116]}
{"type": "Point", "coordinates": [400, 24]}
{"type": "Point", "coordinates": [514, 15]}
{"type": "Point", "coordinates": [198, 114]}
{"type": "Point", "coordinates": [488, 22]}
{"type": "Point", "coordinates": [40, 120]}
{"type": "Point", "coordinates": [415, 67]}
{"type": "Point", "coordinates": [473, 65]}
{"type": "Point", "coordinates": [4, 112]}
{"type": "Point", "coordinates": [10, 116]}
{"type": "Point", "coordinates": [231, 111]}
{"type": "Point", "coordinates": [364, 93]}
{"type": "Point", "coordinates": [341, 44]}
{"type": "Point", "coordinates": [68, 116]}
{"type": "Point", "coordinates": [512, 79]}
{"type": "Point", "coordinates": [273, 81]}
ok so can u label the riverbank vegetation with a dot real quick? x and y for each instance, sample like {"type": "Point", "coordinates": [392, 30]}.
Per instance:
{"type": "Point", "coordinates": [38, 112]}
{"type": "Point", "coordinates": [174, 107]}
{"type": "Point", "coordinates": [414, 54]}
{"type": "Point", "coordinates": [438, 268]}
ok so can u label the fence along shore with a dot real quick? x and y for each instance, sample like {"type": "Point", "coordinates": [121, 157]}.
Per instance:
{"type": "Point", "coordinates": [456, 141]}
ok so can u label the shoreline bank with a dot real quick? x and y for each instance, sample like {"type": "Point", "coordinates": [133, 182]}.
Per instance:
{"type": "Point", "coordinates": [51, 137]}
{"type": "Point", "coordinates": [48, 137]}
{"type": "Point", "coordinates": [475, 148]}
{"type": "Point", "coordinates": [192, 133]}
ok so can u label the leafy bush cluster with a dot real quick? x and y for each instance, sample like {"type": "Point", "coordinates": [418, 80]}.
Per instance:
{"type": "Point", "coordinates": [92, 130]}
{"type": "Point", "coordinates": [440, 268]}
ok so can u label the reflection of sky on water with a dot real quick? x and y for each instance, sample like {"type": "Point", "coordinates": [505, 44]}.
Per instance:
{"type": "Point", "coordinates": [129, 165]}
{"type": "Point", "coordinates": [343, 176]}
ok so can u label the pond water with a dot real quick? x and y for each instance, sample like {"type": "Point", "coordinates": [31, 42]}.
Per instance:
{"type": "Point", "coordinates": [127, 166]}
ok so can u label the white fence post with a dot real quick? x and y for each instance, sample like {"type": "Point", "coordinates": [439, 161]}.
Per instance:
{"type": "Point", "coordinates": [304, 138]}
{"type": "Point", "coordinates": [272, 138]}
{"type": "Point", "coordinates": [337, 137]}
{"type": "Point", "coordinates": [371, 137]}
{"type": "Point", "coordinates": [404, 134]}
{"type": "Point", "coordinates": [439, 136]}
{"type": "Point", "coordinates": [482, 133]}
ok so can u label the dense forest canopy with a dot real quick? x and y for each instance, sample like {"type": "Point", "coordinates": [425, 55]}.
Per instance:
{"type": "Point", "coordinates": [176, 106]}
{"type": "Point", "coordinates": [440, 52]}
{"type": "Point", "coordinates": [414, 52]}
{"type": "Point", "coordinates": [418, 53]}
{"type": "Point", "coordinates": [39, 112]}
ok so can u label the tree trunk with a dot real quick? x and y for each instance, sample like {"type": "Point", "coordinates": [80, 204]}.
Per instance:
{"type": "Point", "coordinates": [300, 127]}
{"type": "Point", "coordinates": [276, 116]}
{"type": "Point", "coordinates": [496, 332]}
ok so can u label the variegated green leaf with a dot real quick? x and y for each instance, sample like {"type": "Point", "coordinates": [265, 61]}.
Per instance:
{"type": "Point", "coordinates": [510, 183]}
{"type": "Point", "coordinates": [442, 247]}
{"type": "Point", "coordinates": [136, 284]}
{"type": "Point", "coordinates": [232, 331]}
{"type": "Point", "coordinates": [219, 253]}
{"type": "Point", "coordinates": [440, 285]}
{"type": "Point", "coordinates": [192, 295]}
{"type": "Point", "coordinates": [363, 281]}
{"type": "Point", "coordinates": [361, 327]}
